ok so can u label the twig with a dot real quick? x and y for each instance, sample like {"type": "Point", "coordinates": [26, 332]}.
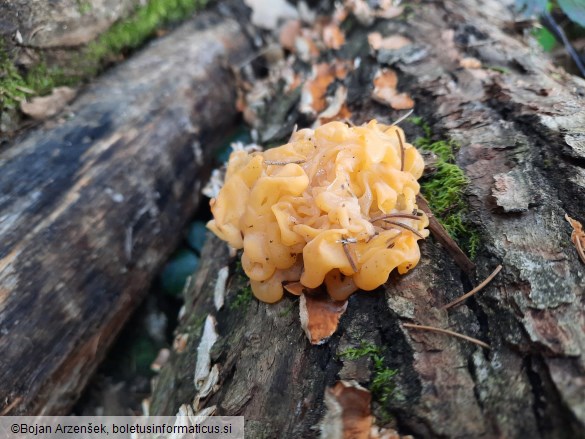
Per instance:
{"type": "Point", "coordinates": [349, 257]}
{"type": "Point", "coordinates": [560, 33]}
{"type": "Point", "coordinates": [444, 238]}
{"type": "Point", "coordinates": [395, 215]}
{"type": "Point", "coordinates": [475, 290]}
{"type": "Point", "coordinates": [401, 150]}
{"type": "Point", "coordinates": [448, 332]}
{"type": "Point", "coordinates": [401, 118]}
{"type": "Point", "coordinates": [282, 163]}
{"type": "Point", "coordinates": [404, 226]}
{"type": "Point", "coordinates": [10, 406]}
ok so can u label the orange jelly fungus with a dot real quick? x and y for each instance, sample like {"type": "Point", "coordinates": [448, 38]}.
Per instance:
{"type": "Point", "coordinates": [335, 205]}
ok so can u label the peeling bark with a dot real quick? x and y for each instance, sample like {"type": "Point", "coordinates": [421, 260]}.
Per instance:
{"type": "Point", "coordinates": [91, 206]}
{"type": "Point", "coordinates": [521, 136]}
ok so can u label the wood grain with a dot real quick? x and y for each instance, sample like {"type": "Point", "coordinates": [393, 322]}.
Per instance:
{"type": "Point", "coordinates": [92, 204]}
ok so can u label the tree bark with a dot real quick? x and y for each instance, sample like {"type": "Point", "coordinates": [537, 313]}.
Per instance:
{"type": "Point", "coordinates": [519, 121]}
{"type": "Point", "coordinates": [93, 204]}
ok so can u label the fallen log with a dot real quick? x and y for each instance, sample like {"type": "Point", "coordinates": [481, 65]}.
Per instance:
{"type": "Point", "coordinates": [92, 204]}
{"type": "Point", "coordinates": [518, 121]}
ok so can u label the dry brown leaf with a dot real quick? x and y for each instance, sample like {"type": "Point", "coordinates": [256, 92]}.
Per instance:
{"type": "Point", "coordinates": [289, 33]}
{"type": "Point", "coordinates": [578, 237]}
{"type": "Point", "coordinates": [401, 101]}
{"type": "Point", "coordinates": [361, 10]}
{"type": "Point", "coordinates": [386, 78]}
{"type": "Point", "coordinates": [470, 63]}
{"type": "Point", "coordinates": [393, 42]}
{"type": "Point", "coordinates": [296, 288]}
{"type": "Point", "coordinates": [388, 9]}
{"type": "Point", "coordinates": [320, 316]}
{"type": "Point", "coordinates": [314, 89]}
{"type": "Point", "coordinates": [349, 416]}
{"type": "Point", "coordinates": [180, 343]}
{"type": "Point", "coordinates": [344, 114]}
{"type": "Point", "coordinates": [337, 107]}
{"type": "Point", "coordinates": [385, 91]}
{"type": "Point", "coordinates": [161, 359]}
{"type": "Point", "coordinates": [43, 107]}
{"type": "Point", "coordinates": [333, 37]}
{"type": "Point", "coordinates": [391, 12]}
{"type": "Point", "coordinates": [355, 405]}
{"type": "Point", "coordinates": [305, 48]}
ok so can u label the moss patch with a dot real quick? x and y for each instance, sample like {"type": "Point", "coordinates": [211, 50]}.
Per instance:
{"type": "Point", "coordinates": [244, 296]}
{"type": "Point", "coordinates": [242, 299]}
{"type": "Point", "coordinates": [382, 385]}
{"type": "Point", "coordinates": [444, 189]}
{"type": "Point", "coordinates": [121, 38]}
{"type": "Point", "coordinates": [134, 31]}
{"type": "Point", "coordinates": [16, 86]}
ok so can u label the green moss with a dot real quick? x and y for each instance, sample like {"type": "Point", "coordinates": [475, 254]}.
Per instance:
{"type": "Point", "coordinates": [288, 310]}
{"type": "Point", "coordinates": [16, 86]}
{"type": "Point", "coordinates": [445, 187]}
{"type": "Point", "coordinates": [13, 87]}
{"type": "Point", "coordinates": [243, 298]}
{"type": "Point", "coordinates": [121, 38]}
{"type": "Point", "coordinates": [365, 349]}
{"type": "Point", "coordinates": [132, 32]}
{"type": "Point", "coordinates": [83, 7]}
{"type": "Point", "coordinates": [382, 385]}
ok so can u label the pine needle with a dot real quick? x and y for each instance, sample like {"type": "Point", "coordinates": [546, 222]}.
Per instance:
{"type": "Point", "coordinates": [404, 226]}
{"type": "Point", "coordinates": [401, 118]}
{"type": "Point", "coordinates": [401, 151]}
{"type": "Point", "coordinates": [448, 332]}
{"type": "Point", "coordinates": [475, 290]}
{"type": "Point", "coordinates": [283, 163]}
{"type": "Point", "coordinates": [349, 257]}
{"type": "Point", "coordinates": [396, 215]}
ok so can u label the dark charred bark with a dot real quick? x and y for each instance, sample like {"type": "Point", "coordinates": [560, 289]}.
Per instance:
{"type": "Point", "coordinates": [92, 205]}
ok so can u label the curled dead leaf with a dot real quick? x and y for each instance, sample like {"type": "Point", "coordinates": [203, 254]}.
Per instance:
{"type": "Point", "coordinates": [161, 359]}
{"type": "Point", "coordinates": [333, 37]}
{"type": "Point", "coordinates": [577, 237]}
{"type": "Point", "coordinates": [314, 90]}
{"type": "Point", "coordinates": [46, 106]}
{"type": "Point", "coordinates": [305, 48]}
{"type": "Point", "coordinates": [348, 411]}
{"type": "Point", "coordinates": [388, 9]}
{"type": "Point", "coordinates": [180, 343]}
{"type": "Point", "coordinates": [470, 63]}
{"type": "Point", "coordinates": [296, 288]}
{"type": "Point", "coordinates": [361, 10]}
{"type": "Point", "coordinates": [337, 107]}
{"type": "Point", "coordinates": [385, 91]}
{"type": "Point", "coordinates": [393, 42]}
{"type": "Point", "coordinates": [289, 33]}
{"type": "Point", "coordinates": [349, 416]}
{"type": "Point", "coordinates": [320, 316]}
{"type": "Point", "coordinates": [386, 78]}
